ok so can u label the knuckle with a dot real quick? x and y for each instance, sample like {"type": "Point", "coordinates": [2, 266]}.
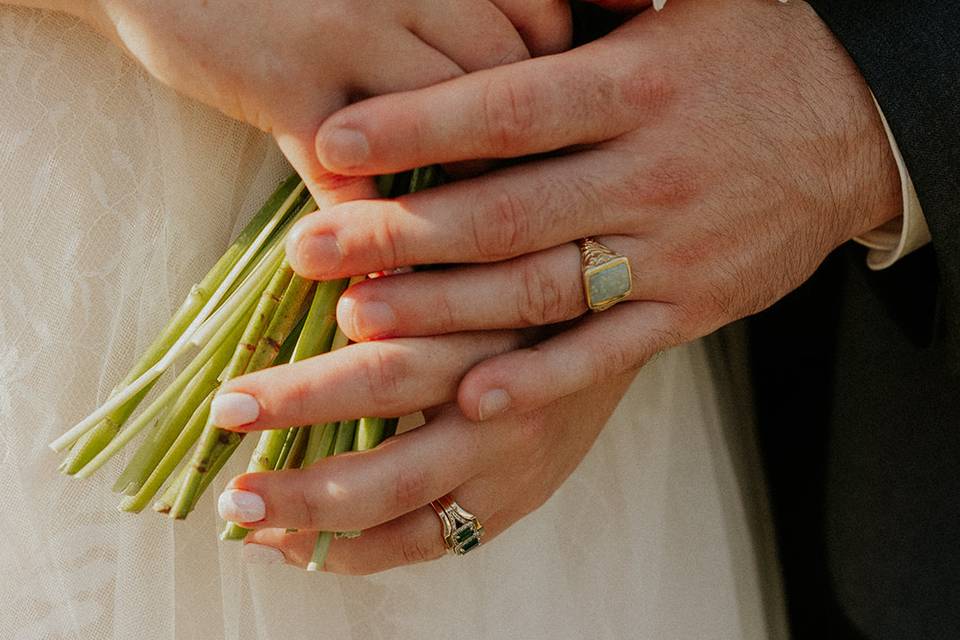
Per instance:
{"type": "Point", "coordinates": [509, 113]}
{"type": "Point", "coordinates": [388, 240]}
{"type": "Point", "coordinates": [311, 499]}
{"type": "Point", "coordinates": [409, 489]}
{"type": "Point", "coordinates": [383, 372]}
{"type": "Point", "coordinates": [616, 360]}
{"type": "Point", "coordinates": [669, 183]}
{"type": "Point", "coordinates": [413, 550]}
{"type": "Point", "coordinates": [540, 300]}
{"type": "Point", "coordinates": [369, 234]}
{"type": "Point", "coordinates": [502, 227]}
{"type": "Point", "coordinates": [648, 88]}
{"type": "Point", "coordinates": [687, 255]}
{"type": "Point", "coordinates": [673, 183]}
{"type": "Point", "coordinates": [296, 398]}
{"type": "Point", "coordinates": [443, 315]}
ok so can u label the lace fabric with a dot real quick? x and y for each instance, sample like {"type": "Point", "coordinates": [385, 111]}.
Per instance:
{"type": "Point", "coordinates": [116, 194]}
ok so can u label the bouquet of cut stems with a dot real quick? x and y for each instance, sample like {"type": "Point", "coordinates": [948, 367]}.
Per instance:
{"type": "Point", "coordinates": [251, 311]}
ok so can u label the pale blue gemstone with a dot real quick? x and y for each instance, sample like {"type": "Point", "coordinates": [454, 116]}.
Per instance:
{"type": "Point", "coordinates": [611, 282]}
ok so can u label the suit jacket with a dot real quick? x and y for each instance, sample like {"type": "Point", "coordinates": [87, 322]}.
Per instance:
{"type": "Point", "coordinates": [857, 373]}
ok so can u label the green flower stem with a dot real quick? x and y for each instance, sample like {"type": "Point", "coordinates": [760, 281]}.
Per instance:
{"type": "Point", "coordinates": [174, 390]}
{"type": "Point", "coordinates": [166, 503]}
{"type": "Point", "coordinates": [213, 439]}
{"type": "Point", "coordinates": [423, 178]}
{"type": "Point", "coordinates": [320, 550]}
{"type": "Point", "coordinates": [180, 343]}
{"type": "Point", "coordinates": [385, 184]}
{"type": "Point", "coordinates": [169, 495]}
{"type": "Point", "coordinates": [319, 443]}
{"type": "Point", "coordinates": [343, 442]}
{"type": "Point", "coordinates": [369, 433]}
{"type": "Point", "coordinates": [346, 432]}
{"type": "Point", "coordinates": [390, 428]}
{"type": "Point", "coordinates": [217, 464]}
{"type": "Point", "coordinates": [93, 442]}
{"type": "Point", "coordinates": [293, 304]}
{"type": "Point", "coordinates": [156, 444]}
{"type": "Point", "coordinates": [260, 270]}
{"type": "Point", "coordinates": [265, 458]}
{"type": "Point", "coordinates": [288, 310]}
{"type": "Point", "coordinates": [321, 324]}
{"type": "Point", "coordinates": [269, 450]}
{"type": "Point", "coordinates": [298, 447]}
{"type": "Point", "coordinates": [288, 439]}
{"type": "Point", "coordinates": [154, 448]}
{"type": "Point", "coordinates": [286, 351]}
{"type": "Point", "coordinates": [173, 457]}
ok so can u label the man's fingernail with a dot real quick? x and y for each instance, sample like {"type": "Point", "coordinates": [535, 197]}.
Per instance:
{"type": "Point", "coordinates": [343, 148]}
{"type": "Point", "coordinates": [233, 409]}
{"type": "Point", "coordinates": [316, 255]}
{"type": "Point", "coordinates": [241, 506]}
{"type": "Point", "coordinates": [366, 320]}
{"type": "Point", "coordinates": [493, 403]}
{"type": "Point", "coordinates": [261, 554]}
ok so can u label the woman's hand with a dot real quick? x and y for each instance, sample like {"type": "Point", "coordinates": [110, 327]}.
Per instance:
{"type": "Point", "coordinates": [724, 147]}
{"type": "Point", "coordinates": [285, 66]}
{"type": "Point", "coordinates": [500, 470]}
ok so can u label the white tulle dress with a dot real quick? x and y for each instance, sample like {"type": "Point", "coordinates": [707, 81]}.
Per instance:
{"type": "Point", "coordinates": [115, 196]}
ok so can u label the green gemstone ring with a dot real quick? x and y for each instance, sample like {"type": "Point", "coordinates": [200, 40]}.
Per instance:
{"type": "Point", "coordinates": [461, 529]}
{"type": "Point", "coordinates": [606, 275]}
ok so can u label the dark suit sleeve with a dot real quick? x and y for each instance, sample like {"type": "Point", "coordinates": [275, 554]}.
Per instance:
{"type": "Point", "coordinates": [909, 54]}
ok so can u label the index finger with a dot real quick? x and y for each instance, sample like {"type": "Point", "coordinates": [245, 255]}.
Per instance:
{"type": "Point", "coordinates": [360, 490]}
{"type": "Point", "coordinates": [583, 96]}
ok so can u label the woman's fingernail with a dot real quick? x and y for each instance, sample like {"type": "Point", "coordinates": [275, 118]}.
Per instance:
{"type": "Point", "coordinates": [390, 272]}
{"type": "Point", "coordinates": [317, 255]}
{"type": "Point", "coordinates": [366, 320]}
{"type": "Point", "coordinates": [233, 409]}
{"type": "Point", "coordinates": [241, 506]}
{"type": "Point", "coordinates": [261, 554]}
{"type": "Point", "coordinates": [343, 148]}
{"type": "Point", "coordinates": [493, 403]}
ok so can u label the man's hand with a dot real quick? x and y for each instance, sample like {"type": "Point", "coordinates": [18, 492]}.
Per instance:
{"type": "Point", "coordinates": [724, 147]}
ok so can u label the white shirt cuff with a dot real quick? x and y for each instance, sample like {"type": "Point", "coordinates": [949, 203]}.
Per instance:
{"type": "Point", "coordinates": [900, 236]}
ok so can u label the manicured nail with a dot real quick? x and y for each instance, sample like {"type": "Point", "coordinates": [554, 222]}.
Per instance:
{"type": "Point", "coordinates": [343, 148]}
{"type": "Point", "coordinates": [366, 319]}
{"type": "Point", "coordinates": [316, 255]}
{"type": "Point", "coordinates": [390, 272]}
{"type": "Point", "coordinates": [261, 554]}
{"type": "Point", "coordinates": [241, 506]}
{"type": "Point", "coordinates": [493, 403]}
{"type": "Point", "coordinates": [233, 409]}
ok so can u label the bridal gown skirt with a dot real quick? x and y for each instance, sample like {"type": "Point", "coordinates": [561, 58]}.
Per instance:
{"type": "Point", "coordinates": [115, 196]}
